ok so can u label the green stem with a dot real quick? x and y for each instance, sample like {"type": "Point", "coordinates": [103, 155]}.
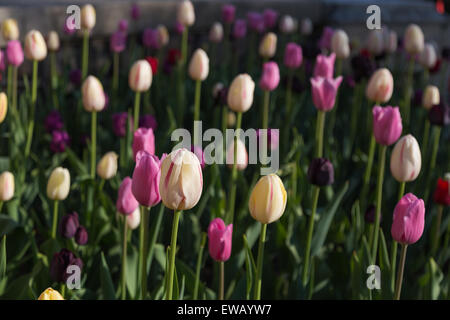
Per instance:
{"type": "Point", "coordinates": [288, 107]}
{"type": "Point", "coordinates": [32, 110]}
{"type": "Point", "coordinates": [115, 81]}
{"type": "Point", "coordinates": [398, 285]}
{"type": "Point", "coordinates": [222, 280]}
{"type": "Point", "coordinates": [14, 89]}
{"type": "Point", "coordinates": [143, 249]}
{"type": "Point", "coordinates": [408, 88]}
{"type": "Point", "coordinates": [316, 192]}
{"type": "Point", "coordinates": [63, 290]}
{"type": "Point", "coordinates": [184, 45]}
{"type": "Point", "coordinates": [154, 232]}
{"type": "Point", "coordinates": [426, 135]}
{"type": "Point", "coordinates": [93, 142]}
{"type": "Point", "coordinates": [1, 206]}
{"type": "Point", "coordinates": [173, 250]}
{"type": "Point", "coordinates": [259, 263]}
{"type": "Point", "coordinates": [437, 136]}
{"type": "Point", "coordinates": [199, 266]}
{"type": "Point", "coordinates": [437, 230]}
{"type": "Point", "coordinates": [198, 88]}
{"type": "Point", "coordinates": [9, 83]}
{"type": "Point", "coordinates": [401, 191]}
{"type": "Point", "coordinates": [266, 103]}
{"type": "Point", "coordinates": [231, 203]}
{"type": "Point", "coordinates": [137, 100]}
{"type": "Point", "coordinates": [124, 260]}
{"type": "Point", "coordinates": [85, 55]}
{"type": "Point", "coordinates": [320, 123]}
{"type": "Point", "coordinates": [55, 219]}
{"type": "Point", "coordinates": [368, 171]}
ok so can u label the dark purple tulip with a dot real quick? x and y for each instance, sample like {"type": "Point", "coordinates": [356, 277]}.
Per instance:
{"type": "Point", "coordinates": [321, 172]}
{"type": "Point", "coordinates": [81, 236]}
{"type": "Point", "coordinates": [120, 124]}
{"type": "Point", "coordinates": [117, 42]}
{"type": "Point", "coordinates": [240, 29]}
{"type": "Point", "coordinates": [439, 115]}
{"type": "Point", "coordinates": [123, 25]}
{"type": "Point", "coordinates": [417, 98]}
{"type": "Point", "coordinates": [270, 18]}
{"type": "Point", "coordinates": [255, 22]}
{"type": "Point", "coordinates": [228, 13]}
{"type": "Point", "coordinates": [53, 121]}
{"type": "Point", "coordinates": [60, 261]}
{"type": "Point", "coordinates": [362, 67]}
{"type": "Point", "coordinates": [60, 140]}
{"type": "Point", "coordinates": [75, 77]}
{"type": "Point", "coordinates": [68, 225]}
{"type": "Point", "coordinates": [135, 12]}
{"type": "Point", "coordinates": [148, 121]}
{"type": "Point", "coordinates": [150, 38]}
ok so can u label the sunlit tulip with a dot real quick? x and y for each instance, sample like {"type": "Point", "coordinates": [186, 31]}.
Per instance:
{"type": "Point", "coordinates": [387, 124]}
{"type": "Point", "coordinates": [409, 219]}
{"type": "Point", "coordinates": [268, 199]}
{"type": "Point", "coordinates": [144, 139]}
{"type": "Point", "coordinates": [406, 159]}
{"type": "Point", "coordinates": [58, 185]}
{"type": "Point", "coordinates": [140, 76]}
{"type": "Point", "coordinates": [413, 40]}
{"type": "Point", "coordinates": [340, 44]}
{"type": "Point", "coordinates": [268, 45]}
{"type": "Point", "coordinates": [216, 32]}
{"type": "Point", "coordinates": [270, 76]}
{"type": "Point", "coordinates": [6, 186]}
{"type": "Point", "coordinates": [10, 29]}
{"type": "Point", "coordinates": [324, 66]}
{"type": "Point", "coordinates": [241, 155]}
{"type": "Point", "coordinates": [53, 41]}
{"type": "Point", "coordinates": [134, 219]}
{"type": "Point", "coordinates": [240, 93]}
{"type": "Point", "coordinates": [3, 106]}
{"type": "Point", "coordinates": [181, 182]}
{"type": "Point", "coordinates": [306, 26]}
{"type": "Point", "coordinates": [288, 24]}
{"type": "Point", "coordinates": [50, 294]}
{"type": "Point", "coordinates": [219, 240]}
{"type": "Point", "coordinates": [199, 65]}
{"type": "Point", "coordinates": [126, 202]}
{"type": "Point", "coordinates": [35, 46]}
{"type": "Point", "coordinates": [293, 55]}
{"type": "Point", "coordinates": [430, 97]}
{"type": "Point", "coordinates": [324, 92]}
{"type": "Point", "coordinates": [163, 35]}
{"type": "Point", "coordinates": [186, 13]}
{"type": "Point", "coordinates": [107, 166]}
{"type": "Point", "coordinates": [93, 95]}
{"type": "Point", "coordinates": [88, 17]}
{"type": "Point", "coordinates": [146, 176]}
{"type": "Point", "coordinates": [375, 42]}
{"type": "Point", "coordinates": [428, 56]}
{"type": "Point", "coordinates": [14, 53]}
{"type": "Point", "coordinates": [380, 86]}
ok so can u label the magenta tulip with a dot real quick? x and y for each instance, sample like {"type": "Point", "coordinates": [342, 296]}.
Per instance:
{"type": "Point", "coordinates": [255, 21]}
{"type": "Point", "coordinates": [387, 124]}
{"type": "Point", "coordinates": [324, 92]}
{"type": "Point", "coordinates": [240, 29]}
{"type": "Point", "coordinates": [270, 18]}
{"type": "Point", "coordinates": [14, 53]}
{"type": "Point", "coordinates": [220, 237]}
{"type": "Point", "coordinates": [228, 13]}
{"type": "Point", "coordinates": [150, 38]}
{"type": "Point", "coordinates": [144, 139]}
{"type": "Point", "coordinates": [325, 39]}
{"type": "Point", "coordinates": [293, 55]}
{"type": "Point", "coordinates": [123, 25]}
{"type": "Point", "coordinates": [270, 76]}
{"type": "Point", "coordinates": [146, 175]}
{"type": "Point", "coordinates": [126, 202]}
{"type": "Point", "coordinates": [2, 60]}
{"type": "Point", "coordinates": [117, 42]}
{"type": "Point", "coordinates": [324, 66]}
{"type": "Point", "coordinates": [409, 219]}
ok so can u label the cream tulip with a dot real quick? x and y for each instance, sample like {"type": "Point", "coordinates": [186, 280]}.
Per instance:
{"type": "Point", "coordinates": [134, 219]}
{"type": "Point", "coordinates": [163, 35]}
{"type": "Point", "coordinates": [35, 46]}
{"type": "Point", "coordinates": [268, 199]}
{"type": "Point", "coordinates": [390, 42]}
{"type": "Point", "coordinates": [340, 44]}
{"type": "Point", "coordinates": [288, 24]}
{"type": "Point", "coordinates": [53, 41]}
{"type": "Point", "coordinates": [186, 13]}
{"type": "Point", "coordinates": [380, 86]}
{"type": "Point", "coordinates": [413, 40]}
{"type": "Point", "coordinates": [3, 106]}
{"type": "Point", "coordinates": [428, 56]}
{"type": "Point", "coordinates": [140, 76]}
{"type": "Point", "coordinates": [199, 65]}
{"type": "Point", "coordinates": [107, 166]}
{"type": "Point", "coordinates": [216, 32]}
{"type": "Point", "coordinates": [240, 93]}
{"type": "Point", "coordinates": [268, 45]}
{"type": "Point", "coordinates": [88, 17]}
{"type": "Point", "coordinates": [93, 95]}
{"type": "Point", "coordinates": [6, 186]}
{"type": "Point", "coordinates": [241, 155]}
{"type": "Point", "coordinates": [375, 42]}
{"type": "Point", "coordinates": [306, 27]}
{"type": "Point", "coordinates": [50, 294]}
{"type": "Point", "coordinates": [10, 29]}
{"type": "Point", "coordinates": [406, 159]}
{"type": "Point", "coordinates": [58, 185]}
{"type": "Point", "coordinates": [181, 181]}
{"type": "Point", "coordinates": [430, 97]}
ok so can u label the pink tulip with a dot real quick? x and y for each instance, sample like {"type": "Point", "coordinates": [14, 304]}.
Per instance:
{"type": "Point", "coordinates": [144, 139]}
{"type": "Point", "coordinates": [228, 13]}
{"type": "Point", "coordinates": [270, 76]}
{"type": "Point", "coordinates": [256, 22]}
{"type": "Point", "coordinates": [325, 39]}
{"type": "Point", "coordinates": [135, 12]}
{"type": "Point", "coordinates": [150, 38]}
{"type": "Point", "coordinates": [123, 25]}
{"type": "Point", "coordinates": [324, 92]}
{"type": "Point", "coordinates": [293, 55]}
{"type": "Point", "coordinates": [126, 202]}
{"type": "Point", "coordinates": [240, 29]}
{"type": "Point", "coordinates": [387, 124]}
{"type": "Point", "coordinates": [270, 17]}
{"type": "Point", "coordinates": [146, 175]}
{"type": "Point", "coordinates": [2, 60]}
{"type": "Point", "coordinates": [409, 219]}
{"type": "Point", "coordinates": [220, 237]}
{"type": "Point", "coordinates": [324, 66]}
{"type": "Point", "coordinates": [117, 42]}
{"type": "Point", "coordinates": [14, 53]}
{"type": "Point", "coordinates": [179, 27]}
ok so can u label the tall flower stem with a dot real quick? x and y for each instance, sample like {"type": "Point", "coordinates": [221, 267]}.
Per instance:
{"type": "Point", "coordinates": [376, 229]}
{"type": "Point", "coordinates": [316, 192]}
{"type": "Point", "coordinates": [137, 102]}
{"type": "Point", "coordinates": [143, 249]}
{"type": "Point", "coordinates": [401, 191]}
{"type": "Point", "coordinates": [14, 89]}
{"type": "Point", "coordinates": [181, 84]}
{"type": "Point", "coordinates": [408, 88]}
{"type": "Point", "coordinates": [9, 81]}
{"type": "Point", "coordinates": [338, 72]}
{"type": "Point", "coordinates": [173, 250]}
{"type": "Point", "coordinates": [115, 80]}
{"type": "Point", "coordinates": [320, 123]}
{"type": "Point", "coordinates": [265, 115]}
{"type": "Point", "coordinates": [398, 284]}
{"type": "Point", "coordinates": [32, 109]}
{"type": "Point", "coordinates": [199, 266]}
{"type": "Point", "coordinates": [437, 229]}
{"type": "Point", "coordinates": [436, 136]}
{"type": "Point", "coordinates": [259, 263]}
{"type": "Point", "coordinates": [233, 178]}
{"type": "Point", "coordinates": [93, 142]}
{"type": "Point", "coordinates": [198, 89]}
{"type": "Point", "coordinates": [124, 260]}
{"type": "Point", "coordinates": [288, 106]}
{"type": "Point", "coordinates": [222, 280]}
{"type": "Point", "coordinates": [426, 137]}
{"type": "Point", "coordinates": [85, 55]}
{"type": "Point", "coordinates": [54, 79]}
{"type": "Point", "coordinates": [55, 219]}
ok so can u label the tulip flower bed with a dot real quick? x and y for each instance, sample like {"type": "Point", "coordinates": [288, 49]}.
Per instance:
{"type": "Point", "coordinates": [347, 199]}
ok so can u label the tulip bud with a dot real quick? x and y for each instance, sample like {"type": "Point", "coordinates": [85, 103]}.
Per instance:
{"type": "Point", "coordinates": [324, 66]}
{"type": "Point", "coordinates": [270, 76]}
{"type": "Point", "coordinates": [428, 56]}
{"type": "Point", "coordinates": [270, 17]}
{"type": "Point", "coordinates": [272, 136]}
{"type": "Point", "coordinates": [58, 185]}
{"type": "Point", "coordinates": [380, 86]}
{"type": "Point", "coordinates": [140, 77]}
{"type": "Point", "coordinates": [87, 17]}
{"type": "Point", "coordinates": [50, 294]}
{"type": "Point", "coordinates": [219, 236]}
{"type": "Point", "coordinates": [60, 262]}
{"type": "Point", "coordinates": [199, 65]}
{"type": "Point", "coordinates": [340, 45]}
{"type": "Point", "coordinates": [325, 38]}
{"type": "Point", "coordinates": [14, 53]}
{"type": "Point", "coordinates": [406, 159]}
{"type": "Point", "coordinates": [324, 92]}
{"type": "Point", "coordinates": [387, 124]}
{"type": "Point", "coordinates": [35, 47]}
{"type": "Point", "coordinates": [240, 93]}
{"type": "Point", "coordinates": [68, 225]}
{"type": "Point", "coordinates": [126, 202]}
{"type": "Point", "coordinates": [287, 24]}
{"type": "Point", "coordinates": [256, 22]}
{"type": "Point", "coordinates": [240, 29]}
{"type": "Point", "coordinates": [6, 186]}
{"type": "Point", "coordinates": [413, 40]}
{"type": "Point", "coordinates": [3, 106]}
{"type": "Point", "coordinates": [144, 139]}
{"type": "Point", "coordinates": [186, 13]}
{"type": "Point", "coordinates": [53, 41]}
{"type": "Point", "coordinates": [135, 11]}
{"type": "Point", "coordinates": [241, 155]}
{"type": "Point", "coordinates": [306, 27]}
{"type": "Point", "coordinates": [81, 236]}
{"type": "Point", "coordinates": [93, 95]}
{"type": "Point", "coordinates": [390, 42]}
{"type": "Point", "coordinates": [442, 193]}
{"type": "Point", "coordinates": [181, 182]}
{"type": "Point", "coordinates": [268, 199]}
{"type": "Point", "coordinates": [216, 32]}
{"type": "Point", "coordinates": [107, 166]}
{"type": "Point", "coordinates": [145, 184]}
{"type": "Point", "coordinates": [268, 45]}
{"type": "Point", "coordinates": [321, 172]}
{"type": "Point", "coordinates": [163, 35]}
{"type": "Point", "coordinates": [430, 97]}
{"type": "Point", "coordinates": [134, 219]}
{"type": "Point", "coordinates": [293, 55]}
{"type": "Point", "coordinates": [439, 114]}
{"type": "Point", "coordinates": [10, 29]}
{"type": "Point", "coordinates": [228, 13]}
{"type": "Point", "coordinates": [409, 219]}
{"type": "Point", "coordinates": [375, 42]}
{"type": "Point", "coordinates": [117, 41]}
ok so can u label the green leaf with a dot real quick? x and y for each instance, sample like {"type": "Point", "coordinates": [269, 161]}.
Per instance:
{"type": "Point", "coordinates": [6, 224]}
{"type": "Point", "coordinates": [107, 286]}
{"type": "Point", "coordinates": [3, 257]}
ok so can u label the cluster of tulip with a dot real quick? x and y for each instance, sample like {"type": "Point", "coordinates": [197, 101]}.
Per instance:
{"type": "Point", "coordinates": [137, 180]}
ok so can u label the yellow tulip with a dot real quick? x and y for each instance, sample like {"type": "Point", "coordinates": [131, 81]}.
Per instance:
{"type": "Point", "coordinates": [50, 294]}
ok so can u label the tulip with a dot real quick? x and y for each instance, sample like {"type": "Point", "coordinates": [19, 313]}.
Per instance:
{"type": "Point", "coordinates": [406, 159]}
{"type": "Point", "coordinates": [60, 140]}
{"type": "Point", "coordinates": [60, 262]}
{"type": "Point", "coordinates": [14, 53]}
{"type": "Point", "coordinates": [216, 33]}
{"type": "Point", "coordinates": [153, 64]}
{"type": "Point", "coordinates": [35, 46]}
{"type": "Point", "coordinates": [270, 17]}
{"type": "Point", "coordinates": [442, 192]}
{"type": "Point", "coordinates": [107, 166]}
{"type": "Point", "coordinates": [340, 44]}
{"type": "Point", "coordinates": [93, 95]}
{"type": "Point", "coordinates": [430, 97]}
{"type": "Point", "coordinates": [325, 39]}
{"type": "Point", "coordinates": [199, 65]}
{"type": "Point", "coordinates": [81, 236]}
{"type": "Point", "coordinates": [239, 29]}
{"type": "Point", "coordinates": [240, 93]}
{"type": "Point", "coordinates": [135, 11]}
{"type": "Point", "coordinates": [148, 121]}
{"type": "Point", "coordinates": [3, 106]}
{"type": "Point", "coordinates": [428, 56]}
{"type": "Point", "coordinates": [145, 184]}
{"type": "Point", "coordinates": [306, 27]}
{"type": "Point", "coordinates": [6, 186]}
{"type": "Point", "coordinates": [375, 42]}
{"type": "Point", "coordinates": [387, 124]}
{"type": "Point", "coordinates": [324, 66]}
{"type": "Point", "coordinates": [139, 80]}
{"type": "Point", "coordinates": [199, 154]}
{"type": "Point", "coordinates": [293, 55]}
{"type": "Point", "coordinates": [53, 121]}
{"type": "Point", "coordinates": [10, 29]}
{"type": "Point", "coordinates": [241, 155]}
{"type": "Point", "coordinates": [150, 38]}
{"type": "Point", "coordinates": [363, 67]}
{"type": "Point", "coordinates": [413, 40]}
{"type": "Point", "coordinates": [439, 114]}
{"type": "Point", "coordinates": [50, 294]}
{"type": "Point", "coordinates": [69, 225]}
{"type": "Point", "coordinates": [144, 139]}
{"type": "Point", "coordinates": [185, 13]}
{"type": "Point", "coordinates": [163, 35]}
{"type": "Point", "coordinates": [390, 42]}
{"type": "Point", "coordinates": [228, 13]}
{"type": "Point", "coordinates": [268, 45]}
{"type": "Point", "coordinates": [220, 236]}
{"type": "Point", "coordinates": [126, 202]}
{"type": "Point", "coordinates": [133, 219]}
{"type": "Point", "coordinates": [324, 92]}
{"type": "Point", "coordinates": [58, 187]}
{"type": "Point", "coordinates": [88, 17]}
{"type": "Point", "coordinates": [288, 24]}
{"type": "Point", "coordinates": [120, 125]}
{"type": "Point", "coordinates": [380, 86]}
{"type": "Point", "coordinates": [270, 76]}
{"type": "Point", "coordinates": [117, 42]}
{"type": "Point", "coordinates": [321, 172]}
{"type": "Point", "coordinates": [53, 41]}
